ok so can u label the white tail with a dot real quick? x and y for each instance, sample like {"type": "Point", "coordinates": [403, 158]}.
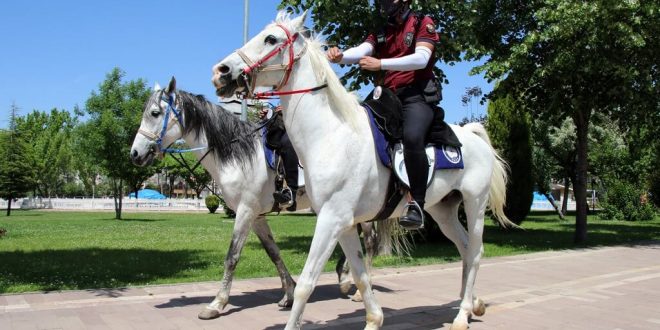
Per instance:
{"type": "Point", "coordinates": [498, 179]}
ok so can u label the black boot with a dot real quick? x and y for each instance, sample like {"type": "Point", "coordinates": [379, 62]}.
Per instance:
{"type": "Point", "coordinates": [414, 217]}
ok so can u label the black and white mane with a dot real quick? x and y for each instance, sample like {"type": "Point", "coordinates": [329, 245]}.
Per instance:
{"type": "Point", "coordinates": [231, 139]}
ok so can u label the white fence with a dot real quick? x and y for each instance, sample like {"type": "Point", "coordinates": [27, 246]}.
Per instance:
{"type": "Point", "coordinates": [90, 204]}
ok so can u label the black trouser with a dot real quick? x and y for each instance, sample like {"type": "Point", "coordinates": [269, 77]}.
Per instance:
{"type": "Point", "coordinates": [417, 118]}
{"type": "Point", "coordinates": [290, 160]}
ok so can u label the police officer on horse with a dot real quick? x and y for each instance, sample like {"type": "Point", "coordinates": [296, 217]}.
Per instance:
{"type": "Point", "coordinates": [404, 50]}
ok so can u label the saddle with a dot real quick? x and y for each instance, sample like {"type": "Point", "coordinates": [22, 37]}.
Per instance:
{"type": "Point", "coordinates": [442, 146]}
{"type": "Point", "coordinates": [385, 113]}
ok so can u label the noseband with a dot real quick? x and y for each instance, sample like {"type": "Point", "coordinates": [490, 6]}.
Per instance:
{"type": "Point", "coordinates": [171, 114]}
{"type": "Point", "coordinates": [257, 66]}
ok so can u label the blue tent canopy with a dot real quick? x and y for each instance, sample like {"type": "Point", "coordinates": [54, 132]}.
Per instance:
{"type": "Point", "coordinates": [147, 194]}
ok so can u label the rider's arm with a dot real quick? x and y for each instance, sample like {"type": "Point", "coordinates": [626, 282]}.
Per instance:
{"type": "Point", "coordinates": [353, 55]}
{"type": "Point", "coordinates": [415, 61]}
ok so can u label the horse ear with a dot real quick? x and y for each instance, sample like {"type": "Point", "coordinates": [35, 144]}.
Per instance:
{"type": "Point", "coordinates": [157, 87]}
{"type": "Point", "coordinates": [299, 22]}
{"type": "Point", "coordinates": [171, 88]}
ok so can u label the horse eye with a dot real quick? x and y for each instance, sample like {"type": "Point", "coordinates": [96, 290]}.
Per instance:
{"type": "Point", "coordinates": [155, 113]}
{"type": "Point", "coordinates": [270, 39]}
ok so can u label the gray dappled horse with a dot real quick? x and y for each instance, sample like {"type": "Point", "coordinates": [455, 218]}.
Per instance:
{"type": "Point", "coordinates": [236, 162]}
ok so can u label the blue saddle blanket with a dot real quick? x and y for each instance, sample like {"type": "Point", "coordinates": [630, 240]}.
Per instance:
{"type": "Point", "coordinates": [268, 152]}
{"type": "Point", "coordinates": [446, 157]}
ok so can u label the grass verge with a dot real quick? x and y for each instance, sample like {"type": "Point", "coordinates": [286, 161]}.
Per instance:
{"type": "Point", "coordinates": [43, 251]}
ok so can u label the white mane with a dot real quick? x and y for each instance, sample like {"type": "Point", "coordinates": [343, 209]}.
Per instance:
{"type": "Point", "coordinates": [345, 104]}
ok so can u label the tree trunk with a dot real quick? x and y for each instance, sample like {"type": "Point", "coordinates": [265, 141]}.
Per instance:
{"type": "Point", "coordinates": [564, 202]}
{"type": "Point", "coordinates": [554, 205]}
{"type": "Point", "coordinates": [117, 196]}
{"type": "Point", "coordinates": [9, 206]}
{"type": "Point", "coordinates": [581, 120]}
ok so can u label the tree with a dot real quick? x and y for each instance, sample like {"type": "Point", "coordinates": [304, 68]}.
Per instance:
{"type": "Point", "coordinates": [85, 165]}
{"type": "Point", "coordinates": [570, 59]}
{"type": "Point", "coordinates": [15, 172]}
{"type": "Point", "coordinates": [471, 93]}
{"type": "Point", "coordinates": [509, 129]}
{"type": "Point", "coordinates": [115, 114]}
{"type": "Point", "coordinates": [49, 136]}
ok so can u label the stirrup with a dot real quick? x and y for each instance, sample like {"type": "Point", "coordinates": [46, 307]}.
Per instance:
{"type": "Point", "coordinates": [412, 224]}
{"type": "Point", "coordinates": [286, 191]}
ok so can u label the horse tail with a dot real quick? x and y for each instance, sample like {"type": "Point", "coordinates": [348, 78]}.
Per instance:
{"type": "Point", "coordinates": [393, 239]}
{"type": "Point", "coordinates": [498, 179]}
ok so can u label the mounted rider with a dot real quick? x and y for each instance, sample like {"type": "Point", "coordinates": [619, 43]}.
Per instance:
{"type": "Point", "coordinates": [278, 140]}
{"type": "Point", "coordinates": [404, 49]}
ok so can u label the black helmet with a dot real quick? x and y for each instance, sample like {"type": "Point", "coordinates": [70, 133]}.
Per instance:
{"type": "Point", "coordinates": [392, 8]}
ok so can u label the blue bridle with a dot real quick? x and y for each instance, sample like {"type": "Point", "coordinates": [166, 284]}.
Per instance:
{"type": "Point", "coordinates": [173, 112]}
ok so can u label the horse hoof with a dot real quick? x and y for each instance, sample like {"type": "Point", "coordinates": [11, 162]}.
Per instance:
{"type": "Point", "coordinates": [479, 308]}
{"type": "Point", "coordinates": [208, 314]}
{"type": "Point", "coordinates": [344, 287]}
{"type": "Point", "coordinates": [459, 326]}
{"type": "Point", "coordinates": [285, 303]}
{"type": "Point", "coordinates": [357, 297]}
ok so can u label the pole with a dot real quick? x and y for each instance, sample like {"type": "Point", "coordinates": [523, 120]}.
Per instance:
{"type": "Point", "coordinates": [245, 39]}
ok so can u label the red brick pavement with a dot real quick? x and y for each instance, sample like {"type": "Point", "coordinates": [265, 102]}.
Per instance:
{"type": "Point", "coordinates": [602, 288]}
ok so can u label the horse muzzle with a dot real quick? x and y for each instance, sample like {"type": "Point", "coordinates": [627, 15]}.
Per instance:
{"type": "Point", "coordinates": [142, 160]}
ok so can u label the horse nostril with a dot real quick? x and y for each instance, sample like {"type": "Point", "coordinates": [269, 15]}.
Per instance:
{"type": "Point", "coordinates": [134, 154]}
{"type": "Point", "coordinates": [223, 69]}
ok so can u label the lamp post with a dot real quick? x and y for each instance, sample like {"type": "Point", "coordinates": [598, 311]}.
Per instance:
{"type": "Point", "coordinates": [245, 36]}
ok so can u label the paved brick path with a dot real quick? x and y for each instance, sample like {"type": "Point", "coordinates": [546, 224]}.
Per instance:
{"type": "Point", "coordinates": [603, 288]}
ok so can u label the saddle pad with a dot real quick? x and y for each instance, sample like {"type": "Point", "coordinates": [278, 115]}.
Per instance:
{"type": "Point", "coordinates": [446, 157]}
{"type": "Point", "coordinates": [268, 152]}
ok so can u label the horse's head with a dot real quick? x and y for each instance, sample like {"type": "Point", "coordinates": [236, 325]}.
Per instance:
{"type": "Point", "coordinates": [265, 60]}
{"type": "Point", "coordinates": [162, 125]}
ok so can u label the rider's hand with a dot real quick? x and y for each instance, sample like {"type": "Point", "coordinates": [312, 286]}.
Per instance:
{"type": "Point", "coordinates": [370, 63]}
{"type": "Point", "coordinates": [278, 108]}
{"type": "Point", "coordinates": [334, 55]}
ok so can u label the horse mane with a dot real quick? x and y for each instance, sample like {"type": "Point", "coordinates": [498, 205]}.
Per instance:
{"type": "Point", "coordinates": [231, 139]}
{"type": "Point", "coordinates": [343, 103]}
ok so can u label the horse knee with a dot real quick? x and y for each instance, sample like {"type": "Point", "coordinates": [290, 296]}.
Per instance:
{"type": "Point", "coordinates": [302, 291]}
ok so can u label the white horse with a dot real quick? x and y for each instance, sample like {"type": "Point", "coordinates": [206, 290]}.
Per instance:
{"type": "Point", "coordinates": [346, 181]}
{"type": "Point", "coordinates": [236, 161]}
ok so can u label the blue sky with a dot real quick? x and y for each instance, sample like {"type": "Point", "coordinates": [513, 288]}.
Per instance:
{"type": "Point", "coordinates": [55, 53]}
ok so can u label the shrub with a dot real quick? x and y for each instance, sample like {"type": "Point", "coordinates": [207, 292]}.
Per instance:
{"type": "Point", "coordinates": [623, 202]}
{"type": "Point", "coordinates": [212, 203]}
{"type": "Point", "coordinates": [654, 189]}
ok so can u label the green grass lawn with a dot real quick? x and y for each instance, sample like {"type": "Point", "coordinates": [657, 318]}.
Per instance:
{"type": "Point", "coordinates": [78, 250]}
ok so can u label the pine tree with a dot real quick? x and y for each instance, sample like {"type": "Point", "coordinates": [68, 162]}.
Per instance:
{"type": "Point", "coordinates": [15, 172]}
{"type": "Point", "coordinates": [509, 129]}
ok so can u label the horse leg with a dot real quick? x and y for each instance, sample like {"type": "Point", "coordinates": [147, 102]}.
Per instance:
{"type": "Point", "coordinates": [265, 235]}
{"type": "Point", "coordinates": [474, 210]}
{"type": "Point", "coordinates": [446, 215]}
{"type": "Point", "coordinates": [370, 245]}
{"type": "Point", "coordinates": [350, 243]}
{"type": "Point", "coordinates": [242, 226]}
{"type": "Point", "coordinates": [343, 271]}
{"type": "Point", "coordinates": [326, 233]}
